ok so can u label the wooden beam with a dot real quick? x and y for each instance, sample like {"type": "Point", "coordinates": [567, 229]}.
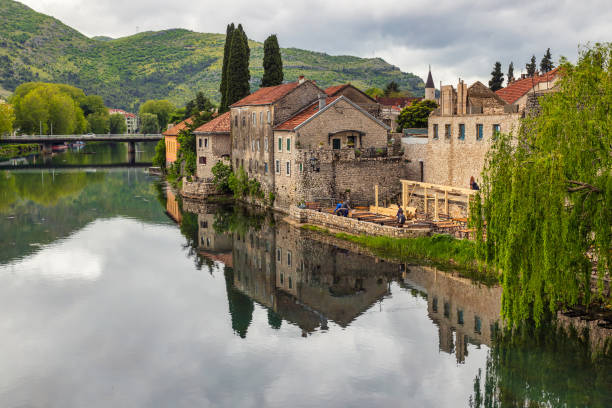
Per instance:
{"type": "Point", "coordinates": [376, 196]}
{"type": "Point", "coordinates": [446, 203]}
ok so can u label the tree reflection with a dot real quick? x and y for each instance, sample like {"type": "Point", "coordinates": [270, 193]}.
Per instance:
{"type": "Point", "coordinates": [240, 305]}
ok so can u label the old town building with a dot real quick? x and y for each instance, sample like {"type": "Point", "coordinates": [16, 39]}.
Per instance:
{"type": "Point", "coordinates": [131, 120]}
{"type": "Point", "coordinates": [213, 144]}
{"type": "Point", "coordinates": [170, 138]}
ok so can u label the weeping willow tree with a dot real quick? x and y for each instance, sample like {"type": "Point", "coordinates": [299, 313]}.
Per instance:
{"type": "Point", "coordinates": [546, 199]}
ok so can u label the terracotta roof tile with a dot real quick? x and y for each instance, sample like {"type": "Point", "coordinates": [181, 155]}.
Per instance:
{"type": "Point", "coordinates": [267, 95]}
{"type": "Point", "coordinates": [518, 88]}
{"type": "Point", "coordinates": [303, 115]}
{"type": "Point", "coordinates": [332, 90]}
{"type": "Point", "coordinates": [220, 124]}
{"type": "Point", "coordinates": [174, 130]}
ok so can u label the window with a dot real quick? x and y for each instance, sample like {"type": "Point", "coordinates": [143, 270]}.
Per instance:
{"type": "Point", "coordinates": [496, 129]}
{"type": "Point", "coordinates": [254, 119]}
{"type": "Point", "coordinates": [350, 141]}
{"type": "Point", "coordinates": [477, 325]}
{"type": "Point", "coordinates": [236, 120]}
{"type": "Point", "coordinates": [479, 131]}
{"type": "Point", "coordinates": [257, 144]}
{"type": "Point", "coordinates": [279, 255]}
{"type": "Point", "coordinates": [266, 144]}
{"type": "Point", "coordinates": [256, 166]}
{"type": "Point", "coordinates": [204, 224]}
{"type": "Point", "coordinates": [237, 164]}
{"type": "Point", "coordinates": [461, 131]}
{"type": "Point", "coordinates": [261, 118]}
{"type": "Point", "coordinates": [435, 131]}
{"type": "Point", "coordinates": [288, 168]}
{"type": "Point", "coordinates": [268, 116]}
{"type": "Point", "coordinates": [243, 121]}
{"type": "Point", "coordinates": [288, 144]}
{"type": "Point", "coordinates": [446, 309]}
{"type": "Point", "coordinates": [288, 258]}
{"type": "Point", "coordinates": [301, 167]}
{"type": "Point", "coordinates": [252, 145]}
{"type": "Point", "coordinates": [277, 167]}
{"type": "Point", "coordinates": [336, 144]}
{"type": "Point", "coordinates": [434, 305]}
{"type": "Point", "coordinates": [290, 283]}
{"type": "Point", "coordinates": [199, 142]}
{"type": "Point", "coordinates": [250, 164]}
{"type": "Point", "coordinates": [447, 131]}
{"type": "Point", "coordinates": [202, 160]}
{"type": "Point", "coordinates": [460, 316]}
{"type": "Point", "coordinates": [281, 278]}
{"type": "Point", "coordinates": [206, 142]}
{"type": "Point", "coordinates": [266, 167]}
{"type": "Point", "coordinates": [280, 144]}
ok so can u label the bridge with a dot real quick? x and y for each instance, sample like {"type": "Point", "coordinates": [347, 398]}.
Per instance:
{"type": "Point", "coordinates": [47, 141]}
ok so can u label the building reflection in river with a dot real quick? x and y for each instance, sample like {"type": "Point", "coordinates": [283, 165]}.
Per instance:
{"type": "Point", "coordinates": [303, 279]}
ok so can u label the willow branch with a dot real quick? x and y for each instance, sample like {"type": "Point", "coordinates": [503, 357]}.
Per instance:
{"type": "Point", "coordinates": [582, 186]}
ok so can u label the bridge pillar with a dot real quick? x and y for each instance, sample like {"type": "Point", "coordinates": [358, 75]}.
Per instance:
{"type": "Point", "coordinates": [131, 147]}
{"type": "Point", "coordinates": [47, 148]}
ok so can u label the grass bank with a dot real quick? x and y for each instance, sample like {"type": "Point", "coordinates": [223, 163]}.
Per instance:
{"type": "Point", "coordinates": [12, 151]}
{"type": "Point", "coordinates": [442, 251]}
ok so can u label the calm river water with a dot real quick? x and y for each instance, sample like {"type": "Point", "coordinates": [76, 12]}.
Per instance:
{"type": "Point", "coordinates": [115, 294]}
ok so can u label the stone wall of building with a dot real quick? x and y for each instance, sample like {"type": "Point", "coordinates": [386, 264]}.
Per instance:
{"type": "Point", "coordinates": [211, 148]}
{"type": "Point", "coordinates": [302, 96]}
{"type": "Point", "coordinates": [353, 226]}
{"type": "Point", "coordinates": [197, 189]}
{"type": "Point", "coordinates": [451, 161]}
{"type": "Point", "coordinates": [370, 105]}
{"type": "Point", "coordinates": [415, 156]}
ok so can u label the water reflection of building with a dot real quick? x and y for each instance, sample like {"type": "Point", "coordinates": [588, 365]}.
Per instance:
{"type": "Point", "coordinates": [211, 244]}
{"type": "Point", "coordinates": [172, 206]}
{"type": "Point", "coordinates": [304, 281]}
{"type": "Point", "coordinates": [465, 312]}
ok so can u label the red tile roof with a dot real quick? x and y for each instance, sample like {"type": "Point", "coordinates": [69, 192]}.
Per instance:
{"type": "Point", "coordinates": [267, 95]}
{"type": "Point", "coordinates": [174, 130]}
{"type": "Point", "coordinates": [220, 124]}
{"type": "Point", "coordinates": [516, 89]}
{"type": "Point", "coordinates": [332, 90]}
{"type": "Point", "coordinates": [385, 101]}
{"type": "Point", "coordinates": [303, 115]}
{"type": "Point", "coordinates": [121, 112]}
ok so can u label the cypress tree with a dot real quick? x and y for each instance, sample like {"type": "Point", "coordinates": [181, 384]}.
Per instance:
{"type": "Point", "coordinates": [238, 75]}
{"type": "Point", "coordinates": [531, 67]}
{"type": "Point", "coordinates": [272, 63]}
{"type": "Point", "coordinates": [497, 77]}
{"type": "Point", "coordinates": [510, 72]}
{"type": "Point", "coordinates": [224, 70]}
{"type": "Point", "coordinates": [546, 64]}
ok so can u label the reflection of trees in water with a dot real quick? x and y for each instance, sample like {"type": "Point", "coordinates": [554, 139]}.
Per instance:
{"type": "Point", "coordinates": [541, 368]}
{"type": "Point", "coordinates": [240, 305]}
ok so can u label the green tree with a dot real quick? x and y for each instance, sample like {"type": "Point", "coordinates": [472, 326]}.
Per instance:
{"type": "Point", "coordinates": [149, 123]}
{"type": "Point", "coordinates": [159, 159]}
{"type": "Point", "coordinates": [375, 92]}
{"type": "Point", "coordinates": [225, 68]}
{"type": "Point", "coordinates": [117, 124]}
{"type": "Point", "coordinates": [391, 88]}
{"type": "Point", "coordinates": [163, 109]}
{"type": "Point", "coordinates": [92, 104]}
{"type": "Point", "coordinates": [415, 115]}
{"type": "Point", "coordinates": [272, 63]}
{"type": "Point", "coordinates": [546, 63]}
{"type": "Point", "coordinates": [531, 66]}
{"type": "Point", "coordinates": [99, 123]}
{"type": "Point", "coordinates": [510, 72]}
{"type": "Point", "coordinates": [497, 77]}
{"type": "Point", "coordinates": [202, 103]}
{"type": "Point", "coordinates": [221, 173]}
{"type": "Point", "coordinates": [238, 69]}
{"type": "Point", "coordinates": [547, 195]}
{"type": "Point", "coordinates": [7, 117]}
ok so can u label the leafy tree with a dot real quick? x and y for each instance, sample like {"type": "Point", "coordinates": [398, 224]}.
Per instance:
{"type": "Point", "coordinates": [117, 124]}
{"type": "Point", "coordinates": [99, 123]}
{"type": "Point", "coordinates": [179, 115]}
{"type": "Point", "coordinates": [238, 69]}
{"type": "Point", "coordinates": [159, 159]}
{"type": "Point", "coordinates": [221, 173]}
{"type": "Point", "coordinates": [7, 117]}
{"type": "Point", "coordinates": [225, 68]}
{"type": "Point", "coordinates": [415, 115]}
{"type": "Point", "coordinates": [163, 109]}
{"type": "Point", "coordinates": [272, 63]}
{"type": "Point", "coordinates": [546, 64]}
{"type": "Point", "coordinates": [531, 66]}
{"type": "Point", "coordinates": [392, 87]}
{"type": "Point", "coordinates": [203, 103]}
{"type": "Point", "coordinates": [375, 92]}
{"type": "Point", "coordinates": [149, 123]}
{"type": "Point", "coordinates": [510, 72]}
{"type": "Point", "coordinates": [547, 195]}
{"type": "Point", "coordinates": [497, 77]}
{"type": "Point", "coordinates": [92, 104]}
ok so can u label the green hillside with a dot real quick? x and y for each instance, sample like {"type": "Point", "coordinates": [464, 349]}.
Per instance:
{"type": "Point", "coordinates": [171, 64]}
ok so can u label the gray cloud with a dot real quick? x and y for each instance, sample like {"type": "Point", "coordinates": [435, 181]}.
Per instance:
{"type": "Point", "coordinates": [458, 38]}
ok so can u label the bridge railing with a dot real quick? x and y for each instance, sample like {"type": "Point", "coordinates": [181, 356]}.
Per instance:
{"type": "Point", "coordinates": [104, 136]}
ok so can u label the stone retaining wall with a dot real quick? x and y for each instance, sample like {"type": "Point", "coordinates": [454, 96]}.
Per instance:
{"type": "Point", "coordinates": [197, 189]}
{"type": "Point", "coordinates": [353, 226]}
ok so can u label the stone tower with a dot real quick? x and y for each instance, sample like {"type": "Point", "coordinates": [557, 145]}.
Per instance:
{"type": "Point", "coordinates": [430, 88]}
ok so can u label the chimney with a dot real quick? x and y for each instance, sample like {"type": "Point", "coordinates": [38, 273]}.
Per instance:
{"type": "Point", "coordinates": [301, 79]}
{"type": "Point", "coordinates": [322, 98]}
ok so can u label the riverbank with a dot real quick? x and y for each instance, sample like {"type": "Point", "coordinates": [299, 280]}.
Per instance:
{"type": "Point", "coordinates": [18, 150]}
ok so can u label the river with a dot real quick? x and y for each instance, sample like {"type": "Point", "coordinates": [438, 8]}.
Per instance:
{"type": "Point", "coordinates": [114, 293]}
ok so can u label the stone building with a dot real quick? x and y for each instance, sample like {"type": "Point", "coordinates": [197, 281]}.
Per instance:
{"type": "Point", "coordinates": [362, 99]}
{"type": "Point", "coordinates": [213, 144]}
{"type": "Point", "coordinates": [430, 88]}
{"type": "Point", "coordinates": [253, 119]}
{"type": "Point", "coordinates": [516, 93]}
{"type": "Point", "coordinates": [131, 120]}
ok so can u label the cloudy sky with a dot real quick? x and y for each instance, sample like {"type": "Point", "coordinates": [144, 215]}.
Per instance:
{"type": "Point", "coordinates": [458, 38]}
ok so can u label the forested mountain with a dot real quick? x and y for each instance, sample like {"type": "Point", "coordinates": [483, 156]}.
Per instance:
{"type": "Point", "coordinates": [171, 64]}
